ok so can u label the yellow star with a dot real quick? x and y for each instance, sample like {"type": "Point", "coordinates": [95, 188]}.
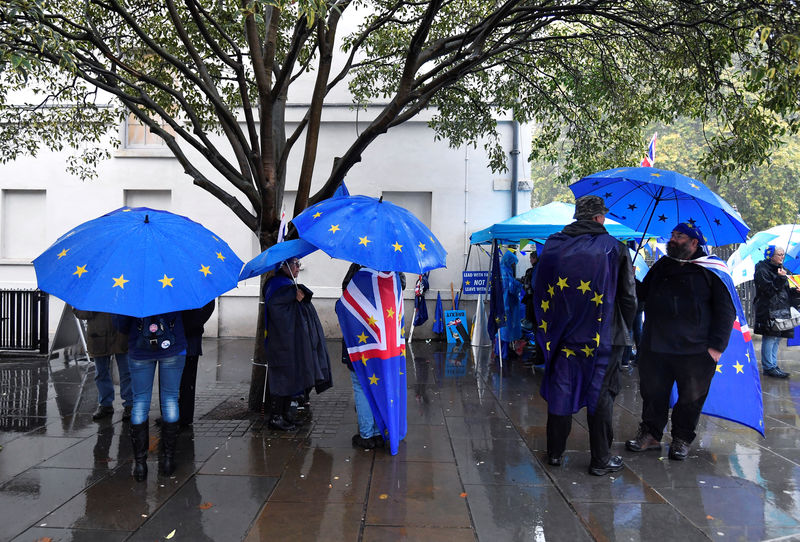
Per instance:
{"type": "Point", "coordinates": [585, 286]}
{"type": "Point", "coordinates": [403, 351]}
{"type": "Point", "coordinates": [588, 351]}
{"type": "Point", "coordinates": [215, 239]}
{"type": "Point", "coordinates": [543, 326]}
{"type": "Point", "coordinates": [719, 368]}
{"type": "Point", "coordinates": [551, 290]}
{"type": "Point", "coordinates": [364, 360]}
{"type": "Point", "coordinates": [205, 270]}
{"type": "Point", "coordinates": [748, 357]}
{"type": "Point", "coordinates": [694, 186]}
{"type": "Point", "coordinates": [397, 247]}
{"type": "Point", "coordinates": [362, 338]}
{"type": "Point", "coordinates": [403, 334]}
{"type": "Point", "coordinates": [598, 299]}
{"type": "Point", "coordinates": [467, 282]}
{"type": "Point", "coordinates": [547, 345]}
{"type": "Point", "coordinates": [120, 281]}
{"type": "Point", "coordinates": [373, 379]}
{"type": "Point", "coordinates": [80, 270]}
{"type": "Point", "coordinates": [568, 352]}
{"type": "Point", "coordinates": [316, 215]}
{"type": "Point", "coordinates": [390, 313]}
{"type": "Point", "coordinates": [739, 367]}
{"type": "Point", "coordinates": [334, 228]}
{"type": "Point", "coordinates": [422, 247]}
{"type": "Point", "coordinates": [220, 256]}
{"type": "Point", "coordinates": [363, 240]}
{"type": "Point", "coordinates": [63, 253]}
{"type": "Point", "coordinates": [655, 175]}
{"type": "Point", "coordinates": [166, 281]}
{"type": "Point", "coordinates": [597, 338]}
{"type": "Point", "coordinates": [371, 321]}
{"type": "Point", "coordinates": [545, 305]}
{"type": "Point", "coordinates": [562, 283]}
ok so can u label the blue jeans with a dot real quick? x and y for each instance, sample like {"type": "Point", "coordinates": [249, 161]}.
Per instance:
{"type": "Point", "coordinates": [769, 352]}
{"type": "Point", "coordinates": [169, 384]}
{"type": "Point", "coordinates": [366, 423]}
{"type": "Point", "coordinates": [105, 386]}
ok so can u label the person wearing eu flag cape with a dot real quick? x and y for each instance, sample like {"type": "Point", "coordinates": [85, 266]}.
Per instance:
{"type": "Point", "coordinates": [689, 317]}
{"type": "Point", "coordinates": [585, 301]}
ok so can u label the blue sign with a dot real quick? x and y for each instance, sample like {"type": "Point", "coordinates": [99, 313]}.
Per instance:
{"type": "Point", "coordinates": [475, 282]}
{"type": "Point", "coordinates": [455, 326]}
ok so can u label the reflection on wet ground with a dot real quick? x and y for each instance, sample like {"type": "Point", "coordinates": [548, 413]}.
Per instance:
{"type": "Point", "coordinates": [471, 468]}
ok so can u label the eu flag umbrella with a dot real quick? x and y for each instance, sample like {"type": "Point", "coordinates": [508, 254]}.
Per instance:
{"type": "Point", "coordinates": [374, 233]}
{"type": "Point", "coordinates": [653, 201]}
{"type": "Point", "coordinates": [138, 262]}
{"type": "Point", "coordinates": [273, 257]}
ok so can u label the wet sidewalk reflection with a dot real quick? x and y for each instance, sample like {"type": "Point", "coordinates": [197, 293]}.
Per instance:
{"type": "Point", "coordinates": [471, 468]}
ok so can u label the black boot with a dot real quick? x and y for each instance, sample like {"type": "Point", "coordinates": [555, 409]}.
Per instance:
{"type": "Point", "coordinates": [169, 434]}
{"type": "Point", "coordinates": [277, 419]}
{"type": "Point", "coordinates": [140, 438]}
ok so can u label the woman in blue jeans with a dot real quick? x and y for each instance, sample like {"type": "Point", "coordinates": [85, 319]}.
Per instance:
{"type": "Point", "coordinates": [154, 341]}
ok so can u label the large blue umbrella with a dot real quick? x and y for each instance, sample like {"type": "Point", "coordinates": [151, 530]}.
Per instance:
{"type": "Point", "coordinates": [138, 262]}
{"type": "Point", "coordinates": [276, 254]}
{"type": "Point", "coordinates": [371, 232]}
{"type": "Point", "coordinates": [654, 200]}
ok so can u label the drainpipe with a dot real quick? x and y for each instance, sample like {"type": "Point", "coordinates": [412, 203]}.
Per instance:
{"type": "Point", "coordinates": [514, 168]}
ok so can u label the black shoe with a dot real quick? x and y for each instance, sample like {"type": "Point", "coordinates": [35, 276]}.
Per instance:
{"type": "Point", "coordinates": [126, 412]}
{"type": "Point", "coordinates": [280, 424]}
{"type": "Point", "coordinates": [644, 441]}
{"type": "Point", "coordinates": [361, 442]}
{"type": "Point", "coordinates": [679, 449]}
{"type": "Point", "coordinates": [102, 412]}
{"type": "Point", "coordinates": [377, 441]}
{"type": "Point", "coordinates": [613, 464]}
{"type": "Point", "coordinates": [554, 460]}
{"type": "Point", "coordinates": [776, 373]}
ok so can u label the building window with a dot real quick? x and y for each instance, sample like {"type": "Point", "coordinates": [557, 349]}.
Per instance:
{"type": "Point", "coordinates": [154, 199]}
{"type": "Point", "coordinates": [23, 224]}
{"type": "Point", "coordinates": [138, 135]}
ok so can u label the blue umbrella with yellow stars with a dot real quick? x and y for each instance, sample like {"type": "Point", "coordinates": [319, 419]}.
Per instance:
{"type": "Point", "coordinates": [653, 201]}
{"type": "Point", "coordinates": [138, 262]}
{"type": "Point", "coordinates": [371, 232]}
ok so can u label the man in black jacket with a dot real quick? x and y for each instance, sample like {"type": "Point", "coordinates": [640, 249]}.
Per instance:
{"type": "Point", "coordinates": [689, 316]}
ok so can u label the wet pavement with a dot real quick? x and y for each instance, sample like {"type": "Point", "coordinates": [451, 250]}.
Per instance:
{"type": "Point", "coordinates": [471, 468]}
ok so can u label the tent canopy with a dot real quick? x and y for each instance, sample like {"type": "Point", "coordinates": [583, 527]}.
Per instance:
{"type": "Point", "coordinates": [538, 224]}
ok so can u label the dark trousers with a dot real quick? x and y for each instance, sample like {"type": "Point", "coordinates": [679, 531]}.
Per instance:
{"type": "Point", "coordinates": [601, 434]}
{"type": "Point", "coordinates": [657, 374]}
{"type": "Point", "coordinates": [186, 395]}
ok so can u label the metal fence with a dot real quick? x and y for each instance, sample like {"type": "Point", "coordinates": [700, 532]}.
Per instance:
{"type": "Point", "coordinates": [23, 320]}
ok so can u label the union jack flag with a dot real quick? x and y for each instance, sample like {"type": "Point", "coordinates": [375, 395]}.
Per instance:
{"type": "Point", "coordinates": [370, 314]}
{"type": "Point", "coordinates": [650, 159]}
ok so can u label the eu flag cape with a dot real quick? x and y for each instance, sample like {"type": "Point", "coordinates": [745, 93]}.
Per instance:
{"type": "Point", "coordinates": [735, 392]}
{"type": "Point", "coordinates": [574, 298]}
{"type": "Point", "coordinates": [370, 314]}
{"type": "Point", "coordinates": [438, 315]}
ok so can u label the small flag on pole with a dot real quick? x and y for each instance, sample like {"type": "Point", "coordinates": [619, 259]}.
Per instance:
{"type": "Point", "coordinates": [283, 228]}
{"type": "Point", "coordinates": [650, 159]}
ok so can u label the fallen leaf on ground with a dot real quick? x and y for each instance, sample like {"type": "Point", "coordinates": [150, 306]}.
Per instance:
{"type": "Point", "coordinates": [463, 495]}
{"type": "Point", "coordinates": [709, 517]}
{"type": "Point", "coordinates": [383, 496]}
{"type": "Point", "coordinates": [170, 535]}
{"type": "Point", "coordinates": [205, 506]}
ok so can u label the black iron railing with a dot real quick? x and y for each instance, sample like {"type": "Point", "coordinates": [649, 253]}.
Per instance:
{"type": "Point", "coordinates": [23, 320]}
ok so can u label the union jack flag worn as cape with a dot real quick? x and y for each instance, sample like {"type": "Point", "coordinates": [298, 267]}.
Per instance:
{"type": "Point", "coordinates": [370, 314]}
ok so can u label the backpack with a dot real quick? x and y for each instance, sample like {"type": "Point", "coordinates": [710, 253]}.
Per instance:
{"type": "Point", "coordinates": [156, 332]}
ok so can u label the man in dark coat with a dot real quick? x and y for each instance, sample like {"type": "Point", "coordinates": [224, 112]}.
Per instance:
{"type": "Point", "coordinates": [773, 300]}
{"type": "Point", "coordinates": [584, 300]}
{"type": "Point", "coordinates": [688, 321]}
{"type": "Point", "coordinates": [295, 343]}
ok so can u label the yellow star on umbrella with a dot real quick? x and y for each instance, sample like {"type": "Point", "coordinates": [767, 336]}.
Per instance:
{"type": "Point", "coordinates": [597, 299]}
{"type": "Point", "coordinates": [334, 228]}
{"type": "Point", "coordinates": [655, 175]}
{"type": "Point", "coordinates": [562, 283]}
{"type": "Point", "coordinates": [316, 215]}
{"type": "Point", "coordinates": [694, 186]}
{"type": "Point", "coordinates": [739, 367]}
{"type": "Point", "coordinates": [422, 247]}
{"type": "Point", "coordinates": [362, 338]}
{"type": "Point", "coordinates": [397, 247]}
{"type": "Point", "coordinates": [719, 368]}
{"type": "Point", "coordinates": [63, 253]}
{"type": "Point", "coordinates": [166, 281]}
{"type": "Point", "coordinates": [205, 270]}
{"type": "Point", "coordinates": [585, 286]}
{"type": "Point", "coordinates": [373, 379]}
{"type": "Point", "coordinates": [363, 240]}
{"type": "Point", "coordinates": [80, 270]}
{"type": "Point", "coordinates": [120, 281]}
{"type": "Point", "coordinates": [220, 256]}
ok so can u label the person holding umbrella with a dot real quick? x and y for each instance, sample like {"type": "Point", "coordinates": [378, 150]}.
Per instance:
{"type": "Point", "coordinates": [294, 343]}
{"type": "Point", "coordinates": [154, 342]}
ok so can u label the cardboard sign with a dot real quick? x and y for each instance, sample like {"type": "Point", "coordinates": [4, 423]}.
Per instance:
{"type": "Point", "coordinates": [455, 327]}
{"type": "Point", "coordinates": [475, 282]}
